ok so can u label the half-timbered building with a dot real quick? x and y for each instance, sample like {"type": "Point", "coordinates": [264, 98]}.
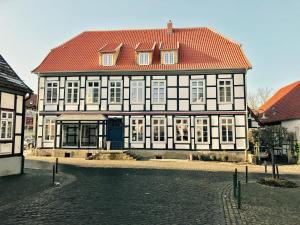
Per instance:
{"type": "Point", "coordinates": [167, 89]}
{"type": "Point", "coordinates": [13, 92]}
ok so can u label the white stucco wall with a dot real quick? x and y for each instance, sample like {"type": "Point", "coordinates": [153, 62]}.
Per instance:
{"type": "Point", "coordinates": [10, 166]}
{"type": "Point", "coordinates": [292, 126]}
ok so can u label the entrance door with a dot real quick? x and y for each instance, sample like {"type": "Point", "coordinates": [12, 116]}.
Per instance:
{"type": "Point", "coordinates": [88, 135]}
{"type": "Point", "coordinates": [115, 133]}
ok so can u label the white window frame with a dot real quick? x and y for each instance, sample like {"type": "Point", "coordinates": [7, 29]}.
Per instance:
{"type": "Point", "coordinates": [52, 132]}
{"type": "Point", "coordinates": [138, 126]}
{"type": "Point", "coordinates": [144, 58]}
{"type": "Point", "coordinates": [169, 57]}
{"type": "Point", "coordinates": [202, 125]}
{"type": "Point", "coordinates": [159, 101]}
{"type": "Point", "coordinates": [159, 125]}
{"type": "Point", "coordinates": [115, 88]}
{"type": "Point", "coordinates": [7, 119]}
{"type": "Point", "coordinates": [72, 92]}
{"type": "Point", "coordinates": [52, 90]}
{"type": "Point", "coordinates": [189, 129]}
{"type": "Point", "coordinates": [225, 95]}
{"type": "Point", "coordinates": [140, 98]}
{"type": "Point", "coordinates": [107, 59]}
{"type": "Point", "coordinates": [227, 125]}
{"type": "Point", "coordinates": [91, 90]}
{"type": "Point", "coordinates": [198, 101]}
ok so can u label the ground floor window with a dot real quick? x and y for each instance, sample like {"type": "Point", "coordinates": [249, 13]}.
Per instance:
{"type": "Point", "coordinates": [6, 125]}
{"type": "Point", "coordinates": [227, 129]}
{"type": "Point", "coordinates": [49, 129]}
{"type": "Point", "coordinates": [202, 130]}
{"type": "Point", "coordinates": [182, 130]}
{"type": "Point", "coordinates": [158, 129]}
{"type": "Point", "coordinates": [137, 130]}
{"type": "Point", "coordinates": [83, 135]}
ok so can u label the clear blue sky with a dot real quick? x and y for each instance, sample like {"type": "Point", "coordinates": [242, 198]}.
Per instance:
{"type": "Point", "coordinates": [268, 30]}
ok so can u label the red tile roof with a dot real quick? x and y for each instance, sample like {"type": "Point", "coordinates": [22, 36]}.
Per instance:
{"type": "Point", "coordinates": [283, 105]}
{"type": "Point", "coordinates": [200, 48]}
{"type": "Point", "coordinates": [143, 47]}
{"type": "Point", "coordinates": [169, 45]}
{"type": "Point", "coordinates": [111, 47]}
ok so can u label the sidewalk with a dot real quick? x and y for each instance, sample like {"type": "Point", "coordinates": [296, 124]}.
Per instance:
{"type": "Point", "coordinates": [165, 164]}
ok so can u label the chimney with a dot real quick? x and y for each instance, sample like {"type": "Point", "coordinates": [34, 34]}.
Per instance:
{"type": "Point", "coordinates": [170, 27]}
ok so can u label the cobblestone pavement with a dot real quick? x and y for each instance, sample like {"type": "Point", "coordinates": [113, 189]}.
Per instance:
{"type": "Point", "coordinates": [118, 196]}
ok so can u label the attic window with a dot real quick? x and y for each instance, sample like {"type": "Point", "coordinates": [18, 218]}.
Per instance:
{"type": "Point", "coordinates": [143, 58]}
{"type": "Point", "coordinates": [107, 59]}
{"type": "Point", "coordinates": [169, 57]}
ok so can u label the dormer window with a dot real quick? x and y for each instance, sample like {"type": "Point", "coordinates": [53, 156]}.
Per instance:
{"type": "Point", "coordinates": [143, 58]}
{"type": "Point", "coordinates": [169, 57]}
{"type": "Point", "coordinates": [107, 59]}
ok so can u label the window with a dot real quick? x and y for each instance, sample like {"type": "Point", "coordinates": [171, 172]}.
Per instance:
{"type": "Point", "coordinates": [93, 92]}
{"type": "Point", "coordinates": [158, 92]}
{"type": "Point", "coordinates": [49, 129]}
{"type": "Point", "coordinates": [72, 92]}
{"type": "Point", "coordinates": [115, 92]}
{"type": "Point", "coordinates": [70, 135]}
{"type": "Point", "coordinates": [227, 129]}
{"type": "Point", "coordinates": [182, 130]}
{"type": "Point", "coordinates": [107, 59]}
{"type": "Point", "coordinates": [169, 57]}
{"type": "Point", "coordinates": [51, 92]}
{"type": "Point", "coordinates": [225, 91]}
{"type": "Point", "coordinates": [143, 58]}
{"type": "Point", "coordinates": [137, 92]}
{"type": "Point", "coordinates": [6, 125]}
{"type": "Point", "coordinates": [137, 130]}
{"type": "Point", "coordinates": [202, 130]}
{"type": "Point", "coordinates": [158, 129]}
{"type": "Point", "coordinates": [197, 91]}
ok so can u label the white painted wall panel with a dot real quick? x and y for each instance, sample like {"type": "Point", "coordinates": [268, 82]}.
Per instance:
{"type": "Point", "coordinates": [202, 147]}
{"type": "Point", "coordinates": [115, 107]}
{"type": "Point", "coordinates": [184, 105]}
{"type": "Point", "coordinates": [222, 76]}
{"type": "Point", "coordinates": [214, 120]}
{"type": "Point", "coordinates": [126, 105]}
{"type": "Point", "coordinates": [172, 104]}
{"type": "Point", "coordinates": [183, 93]}
{"type": "Point", "coordinates": [19, 104]}
{"type": "Point", "coordinates": [172, 93]}
{"type": "Point", "coordinates": [7, 100]}
{"type": "Point", "coordinates": [225, 106]}
{"type": "Point", "coordinates": [158, 77]}
{"type": "Point", "coordinates": [158, 107]}
{"type": "Point", "coordinates": [160, 146]}
{"type": "Point", "coordinates": [42, 82]}
{"type": "Point", "coordinates": [240, 132]}
{"type": "Point", "coordinates": [211, 104]}
{"type": "Point", "coordinates": [137, 145]}
{"type": "Point", "coordinates": [240, 120]}
{"type": "Point", "coordinates": [227, 146]}
{"type": "Point", "coordinates": [71, 107]}
{"type": "Point", "coordinates": [198, 107]}
{"type": "Point", "coordinates": [51, 107]}
{"type": "Point", "coordinates": [104, 92]}
{"type": "Point", "coordinates": [238, 79]}
{"type": "Point", "coordinates": [184, 80]}
{"type": "Point", "coordinates": [241, 144]}
{"type": "Point", "coordinates": [18, 128]}
{"type": "Point", "coordinates": [137, 107]}
{"type": "Point", "coordinates": [62, 82]}
{"type": "Point", "coordinates": [5, 148]}
{"type": "Point", "coordinates": [72, 78]}
{"type": "Point", "coordinates": [239, 91]}
{"type": "Point", "coordinates": [211, 80]}
{"type": "Point", "coordinates": [126, 81]}
{"type": "Point", "coordinates": [92, 107]}
{"type": "Point", "coordinates": [239, 104]}
{"type": "Point", "coordinates": [104, 81]}
{"type": "Point", "coordinates": [126, 93]}
{"type": "Point", "coordinates": [17, 144]}
{"type": "Point", "coordinates": [172, 81]}
{"type": "Point", "coordinates": [215, 132]}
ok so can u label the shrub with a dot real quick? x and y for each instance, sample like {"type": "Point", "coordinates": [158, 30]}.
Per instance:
{"type": "Point", "coordinates": [213, 158]}
{"type": "Point", "coordinates": [224, 158]}
{"type": "Point", "coordinates": [277, 182]}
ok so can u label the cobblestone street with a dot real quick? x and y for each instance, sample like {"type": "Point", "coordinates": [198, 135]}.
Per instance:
{"type": "Point", "coordinates": [116, 196]}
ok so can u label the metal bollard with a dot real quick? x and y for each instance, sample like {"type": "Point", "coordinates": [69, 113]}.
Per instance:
{"type": "Point", "coordinates": [266, 168]}
{"type": "Point", "coordinates": [246, 174]}
{"type": "Point", "coordinates": [234, 182]}
{"type": "Point", "coordinates": [53, 175]}
{"type": "Point", "coordinates": [277, 171]}
{"type": "Point", "coordinates": [239, 194]}
{"type": "Point", "coordinates": [56, 166]}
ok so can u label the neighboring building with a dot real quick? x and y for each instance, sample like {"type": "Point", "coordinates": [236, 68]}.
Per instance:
{"type": "Point", "coordinates": [30, 121]}
{"type": "Point", "coordinates": [13, 92]}
{"type": "Point", "coordinates": [283, 108]}
{"type": "Point", "coordinates": [168, 89]}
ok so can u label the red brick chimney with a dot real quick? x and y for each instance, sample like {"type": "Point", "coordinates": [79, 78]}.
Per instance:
{"type": "Point", "coordinates": [170, 27]}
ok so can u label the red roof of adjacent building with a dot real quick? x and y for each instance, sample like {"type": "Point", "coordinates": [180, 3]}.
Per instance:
{"type": "Point", "coordinates": [200, 48]}
{"type": "Point", "coordinates": [283, 105]}
{"type": "Point", "coordinates": [145, 47]}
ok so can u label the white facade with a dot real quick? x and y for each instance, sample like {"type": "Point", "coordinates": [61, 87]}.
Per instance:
{"type": "Point", "coordinates": [191, 112]}
{"type": "Point", "coordinates": [293, 126]}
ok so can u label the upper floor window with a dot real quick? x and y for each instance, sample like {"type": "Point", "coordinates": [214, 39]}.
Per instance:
{"type": "Point", "coordinates": [197, 91]}
{"type": "Point", "coordinates": [137, 91]}
{"type": "Point", "coordinates": [93, 92]}
{"type": "Point", "coordinates": [169, 57]}
{"type": "Point", "coordinates": [51, 92]}
{"type": "Point", "coordinates": [225, 91]}
{"type": "Point", "coordinates": [182, 130]}
{"type": "Point", "coordinates": [107, 59]}
{"type": "Point", "coordinates": [159, 129]}
{"type": "Point", "coordinates": [227, 129]}
{"type": "Point", "coordinates": [72, 92]}
{"type": "Point", "coordinates": [158, 91]}
{"type": "Point", "coordinates": [202, 130]}
{"type": "Point", "coordinates": [143, 58]}
{"type": "Point", "coordinates": [6, 128]}
{"type": "Point", "coordinates": [49, 129]}
{"type": "Point", "coordinates": [137, 129]}
{"type": "Point", "coordinates": [115, 91]}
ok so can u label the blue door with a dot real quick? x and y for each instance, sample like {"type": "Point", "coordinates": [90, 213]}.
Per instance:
{"type": "Point", "coordinates": [115, 133]}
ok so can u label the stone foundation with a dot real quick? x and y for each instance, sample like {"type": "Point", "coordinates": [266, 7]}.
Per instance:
{"type": "Point", "coordinates": [10, 166]}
